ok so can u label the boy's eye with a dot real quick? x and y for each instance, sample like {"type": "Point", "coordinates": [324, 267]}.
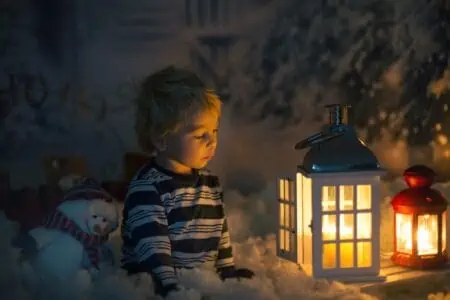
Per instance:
{"type": "Point", "coordinates": [202, 136]}
{"type": "Point", "coordinates": [94, 216]}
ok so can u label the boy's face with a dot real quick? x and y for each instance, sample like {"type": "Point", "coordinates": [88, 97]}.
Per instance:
{"type": "Point", "coordinates": [194, 145]}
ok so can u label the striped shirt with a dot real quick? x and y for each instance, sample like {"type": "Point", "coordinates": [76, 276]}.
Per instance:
{"type": "Point", "coordinates": [174, 221]}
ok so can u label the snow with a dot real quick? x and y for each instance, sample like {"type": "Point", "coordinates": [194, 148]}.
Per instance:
{"type": "Point", "coordinates": [439, 296]}
{"type": "Point", "coordinates": [275, 279]}
{"type": "Point", "coordinates": [252, 226]}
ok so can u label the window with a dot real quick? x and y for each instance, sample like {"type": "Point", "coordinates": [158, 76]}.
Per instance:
{"type": "Point", "coordinates": [403, 232]}
{"type": "Point", "coordinates": [286, 202]}
{"type": "Point", "coordinates": [444, 231]}
{"type": "Point", "coordinates": [346, 226]}
{"type": "Point", "coordinates": [427, 234]}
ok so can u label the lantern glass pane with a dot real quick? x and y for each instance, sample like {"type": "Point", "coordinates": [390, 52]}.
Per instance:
{"type": "Point", "coordinates": [282, 239]}
{"type": "Point", "coordinates": [346, 255]}
{"type": "Point", "coordinates": [292, 241]}
{"type": "Point", "coordinates": [329, 256]}
{"type": "Point", "coordinates": [329, 227]}
{"type": "Point", "coordinates": [292, 216]}
{"type": "Point", "coordinates": [364, 197]}
{"type": "Point", "coordinates": [346, 197]}
{"type": "Point", "coordinates": [286, 215]}
{"type": "Point", "coordinates": [444, 231]}
{"type": "Point", "coordinates": [427, 234]}
{"type": "Point", "coordinates": [287, 194]}
{"type": "Point", "coordinates": [281, 189]}
{"type": "Point", "coordinates": [364, 221]}
{"type": "Point", "coordinates": [364, 254]}
{"type": "Point", "coordinates": [282, 214]}
{"type": "Point", "coordinates": [328, 198]}
{"type": "Point", "coordinates": [346, 226]}
{"type": "Point", "coordinates": [287, 240]}
{"type": "Point", "coordinates": [403, 233]}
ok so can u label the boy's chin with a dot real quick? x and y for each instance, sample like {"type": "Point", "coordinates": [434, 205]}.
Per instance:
{"type": "Point", "coordinates": [201, 164]}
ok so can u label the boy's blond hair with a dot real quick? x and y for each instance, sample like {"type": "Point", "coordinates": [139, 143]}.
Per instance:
{"type": "Point", "coordinates": [165, 101]}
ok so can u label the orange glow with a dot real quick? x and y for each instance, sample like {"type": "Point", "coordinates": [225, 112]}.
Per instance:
{"type": "Point", "coordinates": [346, 225]}
{"type": "Point", "coordinates": [346, 232]}
{"type": "Point", "coordinates": [427, 234]}
{"type": "Point", "coordinates": [354, 219]}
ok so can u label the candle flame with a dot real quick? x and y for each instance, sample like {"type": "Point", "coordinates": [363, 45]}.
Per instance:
{"type": "Point", "coordinates": [426, 234]}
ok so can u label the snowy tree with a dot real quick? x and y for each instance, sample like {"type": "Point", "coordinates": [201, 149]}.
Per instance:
{"type": "Point", "coordinates": [44, 108]}
{"type": "Point", "coordinates": [379, 55]}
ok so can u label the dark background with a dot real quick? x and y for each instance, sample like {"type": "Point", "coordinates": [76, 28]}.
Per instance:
{"type": "Point", "coordinates": [69, 68]}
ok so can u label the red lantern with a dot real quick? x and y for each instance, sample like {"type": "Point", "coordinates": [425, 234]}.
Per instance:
{"type": "Point", "coordinates": [419, 221]}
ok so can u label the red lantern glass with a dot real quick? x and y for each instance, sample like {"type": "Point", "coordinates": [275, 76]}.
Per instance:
{"type": "Point", "coordinates": [419, 221]}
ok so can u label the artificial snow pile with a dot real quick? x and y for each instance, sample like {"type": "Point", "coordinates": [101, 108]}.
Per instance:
{"type": "Point", "coordinates": [439, 296]}
{"type": "Point", "coordinates": [275, 279]}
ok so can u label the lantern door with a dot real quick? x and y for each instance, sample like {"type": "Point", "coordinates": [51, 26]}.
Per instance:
{"type": "Point", "coordinates": [346, 225]}
{"type": "Point", "coordinates": [287, 227]}
{"type": "Point", "coordinates": [304, 222]}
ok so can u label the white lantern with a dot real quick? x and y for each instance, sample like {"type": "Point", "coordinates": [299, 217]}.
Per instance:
{"type": "Point", "coordinates": [329, 214]}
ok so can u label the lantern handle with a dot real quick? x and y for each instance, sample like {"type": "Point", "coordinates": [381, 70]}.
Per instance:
{"type": "Point", "coordinates": [316, 139]}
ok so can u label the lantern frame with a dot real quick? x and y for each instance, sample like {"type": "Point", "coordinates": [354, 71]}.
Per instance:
{"type": "Point", "coordinates": [414, 260]}
{"type": "Point", "coordinates": [419, 199]}
{"type": "Point", "coordinates": [308, 244]}
{"type": "Point", "coordinates": [337, 157]}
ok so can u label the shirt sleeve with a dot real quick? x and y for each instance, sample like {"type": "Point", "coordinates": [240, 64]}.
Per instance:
{"type": "Point", "coordinates": [148, 226]}
{"type": "Point", "coordinates": [225, 254]}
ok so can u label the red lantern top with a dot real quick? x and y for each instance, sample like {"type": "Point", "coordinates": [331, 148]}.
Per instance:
{"type": "Point", "coordinates": [419, 176]}
{"type": "Point", "coordinates": [419, 197]}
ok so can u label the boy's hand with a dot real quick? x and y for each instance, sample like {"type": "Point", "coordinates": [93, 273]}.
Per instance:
{"type": "Point", "coordinates": [232, 272]}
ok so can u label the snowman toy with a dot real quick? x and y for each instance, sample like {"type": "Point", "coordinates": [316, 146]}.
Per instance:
{"type": "Point", "coordinates": [71, 243]}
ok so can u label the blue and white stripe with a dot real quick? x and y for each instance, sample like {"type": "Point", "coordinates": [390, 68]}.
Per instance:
{"type": "Point", "coordinates": [174, 223]}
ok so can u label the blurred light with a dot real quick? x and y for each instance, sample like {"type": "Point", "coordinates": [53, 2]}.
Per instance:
{"type": "Point", "coordinates": [447, 153]}
{"type": "Point", "coordinates": [442, 139]}
{"type": "Point", "coordinates": [405, 132]}
{"type": "Point", "coordinates": [438, 127]}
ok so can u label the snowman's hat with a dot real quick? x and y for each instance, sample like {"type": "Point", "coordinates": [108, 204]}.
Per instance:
{"type": "Point", "coordinates": [87, 189]}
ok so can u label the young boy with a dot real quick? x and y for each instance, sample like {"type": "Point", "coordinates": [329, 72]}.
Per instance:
{"type": "Point", "coordinates": [174, 215]}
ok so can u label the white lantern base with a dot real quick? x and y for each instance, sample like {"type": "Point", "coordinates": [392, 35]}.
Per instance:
{"type": "Point", "coordinates": [345, 278]}
{"type": "Point", "coordinates": [359, 279]}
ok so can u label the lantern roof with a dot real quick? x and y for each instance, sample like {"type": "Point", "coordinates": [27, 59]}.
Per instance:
{"type": "Point", "coordinates": [337, 148]}
{"type": "Point", "coordinates": [419, 196]}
